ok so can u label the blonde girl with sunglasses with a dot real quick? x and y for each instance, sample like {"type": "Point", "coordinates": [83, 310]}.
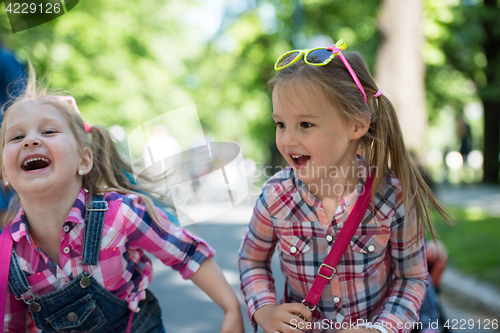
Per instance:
{"type": "Point", "coordinates": [336, 129]}
{"type": "Point", "coordinates": [80, 229]}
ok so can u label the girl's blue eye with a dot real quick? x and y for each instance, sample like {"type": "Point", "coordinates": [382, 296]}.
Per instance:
{"type": "Point", "coordinates": [280, 124]}
{"type": "Point", "coordinates": [305, 124]}
{"type": "Point", "coordinates": [18, 137]}
{"type": "Point", "coordinates": [48, 132]}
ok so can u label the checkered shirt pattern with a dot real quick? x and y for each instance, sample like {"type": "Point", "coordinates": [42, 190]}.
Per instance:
{"type": "Point", "coordinates": [380, 278]}
{"type": "Point", "coordinates": [123, 267]}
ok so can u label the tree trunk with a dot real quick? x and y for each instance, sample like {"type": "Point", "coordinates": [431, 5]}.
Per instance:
{"type": "Point", "coordinates": [491, 141]}
{"type": "Point", "coordinates": [400, 69]}
{"type": "Point", "coordinates": [489, 95]}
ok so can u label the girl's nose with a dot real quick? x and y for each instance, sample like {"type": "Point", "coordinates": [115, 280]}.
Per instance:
{"type": "Point", "coordinates": [289, 139]}
{"type": "Point", "coordinates": [30, 142]}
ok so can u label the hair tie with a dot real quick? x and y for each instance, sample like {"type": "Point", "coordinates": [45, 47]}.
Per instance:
{"type": "Point", "coordinates": [73, 102]}
{"type": "Point", "coordinates": [378, 94]}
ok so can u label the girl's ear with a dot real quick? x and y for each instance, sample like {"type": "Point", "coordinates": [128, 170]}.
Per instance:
{"type": "Point", "coordinates": [360, 128]}
{"type": "Point", "coordinates": [86, 162]}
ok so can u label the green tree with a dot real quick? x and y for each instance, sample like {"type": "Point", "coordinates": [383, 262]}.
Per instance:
{"type": "Point", "coordinates": [122, 60]}
{"type": "Point", "coordinates": [489, 93]}
{"type": "Point", "coordinates": [463, 57]}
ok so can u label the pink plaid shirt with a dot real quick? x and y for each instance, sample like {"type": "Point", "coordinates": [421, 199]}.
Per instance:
{"type": "Point", "coordinates": [123, 267]}
{"type": "Point", "coordinates": [380, 277]}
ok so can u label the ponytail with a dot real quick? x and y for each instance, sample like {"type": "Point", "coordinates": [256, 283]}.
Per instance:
{"type": "Point", "coordinates": [389, 154]}
{"type": "Point", "coordinates": [111, 172]}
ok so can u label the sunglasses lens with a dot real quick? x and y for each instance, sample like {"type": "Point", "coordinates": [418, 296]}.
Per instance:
{"type": "Point", "coordinates": [318, 56]}
{"type": "Point", "coordinates": [287, 58]}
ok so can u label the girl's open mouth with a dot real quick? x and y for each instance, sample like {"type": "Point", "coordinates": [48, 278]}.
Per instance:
{"type": "Point", "coordinates": [300, 160]}
{"type": "Point", "coordinates": [36, 163]}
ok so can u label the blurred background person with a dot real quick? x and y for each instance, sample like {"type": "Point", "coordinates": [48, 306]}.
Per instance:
{"type": "Point", "coordinates": [464, 134]}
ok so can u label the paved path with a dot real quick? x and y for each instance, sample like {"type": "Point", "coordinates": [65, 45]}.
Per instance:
{"type": "Point", "coordinates": [486, 197]}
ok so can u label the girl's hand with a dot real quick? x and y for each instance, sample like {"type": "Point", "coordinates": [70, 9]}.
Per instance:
{"type": "Point", "coordinates": [232, 322]}
{"type": "Point", "coordinates": [282, 318]}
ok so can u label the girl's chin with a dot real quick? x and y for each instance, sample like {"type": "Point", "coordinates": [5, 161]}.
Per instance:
{"type": "Point", "coordinates": [33, 187]}
{"type": "Point", "coordinates": [42, 184]}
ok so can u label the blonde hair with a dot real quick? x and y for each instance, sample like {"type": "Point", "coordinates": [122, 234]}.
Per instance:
{"type": "Point", "coordinates": [109, 171]}
{"type": "Point", "coordinates": [382, 146]}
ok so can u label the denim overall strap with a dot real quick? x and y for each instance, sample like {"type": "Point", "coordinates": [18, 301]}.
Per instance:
{"type": "Point", "coordinates": [94, 224]}
{"type": "Point", "coordinates": [15, 274]}
{"type": "Point", "coordinates": [17, 281]}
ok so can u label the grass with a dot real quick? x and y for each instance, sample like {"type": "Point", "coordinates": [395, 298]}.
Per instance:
{"type": "Point", "coordinates": [473, 242]}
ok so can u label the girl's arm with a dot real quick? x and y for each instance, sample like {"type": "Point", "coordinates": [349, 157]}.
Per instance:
{"type": "Point", "coordinates": [255, 254]}
{"type": "Point", "coordinates": [257, 283]}
{"type": "Point", "coordinates": [209, 279]}
{"type": "Point", "coordinates": [184, 252]}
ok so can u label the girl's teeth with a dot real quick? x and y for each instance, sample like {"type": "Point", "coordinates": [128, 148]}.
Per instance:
{"type": "Point", "coordinates": [35, 159]}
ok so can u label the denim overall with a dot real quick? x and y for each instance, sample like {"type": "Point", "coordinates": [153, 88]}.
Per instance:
{"type": "Point", "coordinates": [84, 305]}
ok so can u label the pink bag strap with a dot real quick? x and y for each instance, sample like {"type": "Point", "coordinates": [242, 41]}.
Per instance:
{"type": "Point", "coordinates": [327, 268]}
{"type": "Point", "coordinates": [5, 250]}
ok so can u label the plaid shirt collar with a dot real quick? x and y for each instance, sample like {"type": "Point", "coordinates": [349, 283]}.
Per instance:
{"type": "Point", "coordinates": [19, 226]}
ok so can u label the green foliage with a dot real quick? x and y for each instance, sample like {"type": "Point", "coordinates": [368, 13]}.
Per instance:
{"type": "Point", "coordinates": [120, 59]}
{"type": "Point", "coordinates": [129, 61]}
{"type": "Point", "coordinates": [472, 243]}
{"type": "Point", "coordinates": [453, 54]}
{"type": "Point", "coordinates": [457, 65]}
{"type": "Point", "coordinates": [249, 43]}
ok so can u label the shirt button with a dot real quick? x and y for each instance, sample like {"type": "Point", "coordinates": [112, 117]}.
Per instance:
{"type": "Point", "coordinates": [293, 249]}
{"type": "Point", "coordinates": [66, 228]}
{"type": "Point", "coordinates": [371, 248]}
{"type": "Point", "coordinates": [66, 250]}
{"type": "Point", "coordinates": [336, 299]}
{"type": "Point", "coordinates": [329, 238]}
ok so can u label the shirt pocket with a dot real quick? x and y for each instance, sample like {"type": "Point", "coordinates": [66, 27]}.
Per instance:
{"type": "Point", "coordinates": [41, 284]}
{"type": "Point", "coordinates": [294, 238]}
{"type": "Point", "coordinates": [371, 238]}
{"type": "Point", "coordinates": [115, 258]}
{"type": "Point", "coordinates": [294, 245]}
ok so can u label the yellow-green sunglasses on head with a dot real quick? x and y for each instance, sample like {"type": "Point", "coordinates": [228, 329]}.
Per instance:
{"type": "Point", "coordinates": [320, 56]}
